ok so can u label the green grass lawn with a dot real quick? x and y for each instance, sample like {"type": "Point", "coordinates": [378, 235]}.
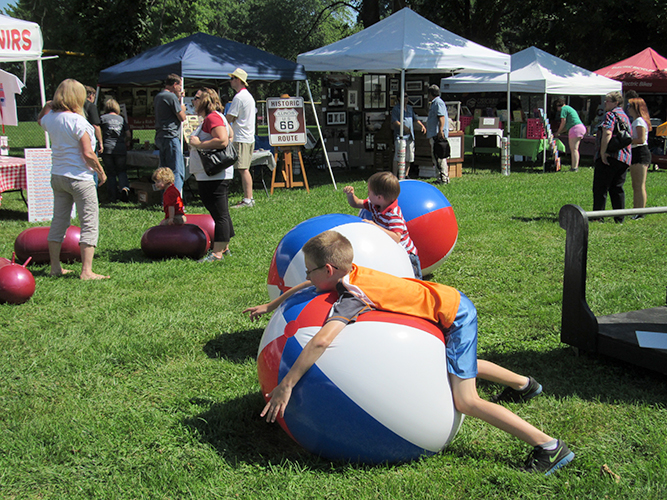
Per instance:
{"type": "Point", "coordinates": [145, 386]}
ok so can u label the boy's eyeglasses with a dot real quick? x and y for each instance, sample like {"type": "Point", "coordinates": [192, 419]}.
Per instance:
{"type": "Point", "coordinates": [313, 270]}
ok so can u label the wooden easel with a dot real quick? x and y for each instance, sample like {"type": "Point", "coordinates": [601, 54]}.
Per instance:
{"type": "Point", "coordinates": [287, 171]}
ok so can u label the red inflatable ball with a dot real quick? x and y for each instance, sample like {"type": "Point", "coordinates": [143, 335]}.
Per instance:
{"type": "Point", "coordinates": [204, 221]}
{"type": "Point", "coordinates": [4, 262]}
{"type": "Point", "coordinates": [17, 284]}
{"type": "Point", "coordinates": [188, 240]}
{"type": "Point", "coordinates": [32, 243]}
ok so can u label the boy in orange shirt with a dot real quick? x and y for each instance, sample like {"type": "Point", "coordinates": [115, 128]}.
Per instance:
{"type": "Point", "coordinates": [328, 259]}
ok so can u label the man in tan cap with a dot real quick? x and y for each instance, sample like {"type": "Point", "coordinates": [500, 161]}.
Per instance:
{"type": "Point", "coordinates": [241, 115]}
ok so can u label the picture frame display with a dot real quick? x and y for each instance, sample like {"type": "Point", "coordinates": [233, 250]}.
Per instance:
{"type": "Point", "coordinates": [375, 91]}
{"type": "Point", "coordinates": [336, 118]}
{"type": "Point", "coordinates": [414, 86]}
{"type": "Point", "coordinates": [352, 99]}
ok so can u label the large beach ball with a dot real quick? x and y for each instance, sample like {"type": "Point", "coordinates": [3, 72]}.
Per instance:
{"type": "Point", "coordinates": [379, 393]}
{"type": "Point", "coordinates": [431, 222]}
{"type": "Point", "coordinates": [373, 248]}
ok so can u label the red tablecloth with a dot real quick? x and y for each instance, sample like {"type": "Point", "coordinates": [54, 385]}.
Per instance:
{"type": "Point", "coordinates": [12, 173]}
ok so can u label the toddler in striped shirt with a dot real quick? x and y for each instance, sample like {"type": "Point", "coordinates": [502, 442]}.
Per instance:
{"type": "Point", "coordinates": [382, 204]}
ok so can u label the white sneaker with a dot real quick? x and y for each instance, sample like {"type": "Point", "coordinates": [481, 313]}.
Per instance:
{"type": "Point", "coordinates": [244, 203]}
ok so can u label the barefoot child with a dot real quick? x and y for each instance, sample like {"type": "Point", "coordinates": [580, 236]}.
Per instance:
{"type": "Point", "coordinates": [383, 191]}
{"type": "Point", "coordinates": [171, 200]}
{"type": "Point", "coordinates": [328, 259]}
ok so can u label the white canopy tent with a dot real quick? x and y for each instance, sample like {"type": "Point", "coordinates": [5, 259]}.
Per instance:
{"type": "Point", "coordinates": [21, 41]}
{"type": "Point", "coordinates": [406, 42]}
{"type": "Point", "coordinates": [535, 72]}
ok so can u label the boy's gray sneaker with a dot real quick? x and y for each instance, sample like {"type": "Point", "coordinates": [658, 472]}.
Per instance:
{"type": "Point", "coordinates": [548, 461]}
{"type": "Point", "coordinates": [514, 396]}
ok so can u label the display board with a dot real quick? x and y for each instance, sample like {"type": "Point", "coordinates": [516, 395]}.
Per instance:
{"type": "Point", "coordinates": [38, 177]}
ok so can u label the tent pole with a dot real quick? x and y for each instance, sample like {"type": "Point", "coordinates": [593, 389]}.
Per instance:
{"type": "Point", "coordinates": [185, 170]}
{"type": "Point", "coordinates": [401, 142]}
{"type": "Point", "coordinates": [544, 148]}
{"type": "Point", "coordinates": [319, 129]}
{"type": "Point", "coordinates": [42, 92]}
{"type": "Point", "coordinates": [509, 117]}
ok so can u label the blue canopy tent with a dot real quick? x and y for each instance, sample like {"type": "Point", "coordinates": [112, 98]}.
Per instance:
{"type": "Point", "coordinates": [201, 57]}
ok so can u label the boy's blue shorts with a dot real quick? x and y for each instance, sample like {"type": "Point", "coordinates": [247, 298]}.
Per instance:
{"type": "Point", "coordinates": [462, 341]}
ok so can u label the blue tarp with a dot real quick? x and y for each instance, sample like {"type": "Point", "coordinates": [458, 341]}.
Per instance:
{"type": "Point", "coordinates": [201, 57]}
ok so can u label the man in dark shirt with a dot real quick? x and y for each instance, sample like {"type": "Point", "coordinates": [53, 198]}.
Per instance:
{"type": "Point", "coordinates": [169, 113]}
{"type": "Point", "coordinates": [93, 117]}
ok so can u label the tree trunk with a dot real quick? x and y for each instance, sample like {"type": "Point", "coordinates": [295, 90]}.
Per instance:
{"type": "Point", "coordinates": [370, 12]}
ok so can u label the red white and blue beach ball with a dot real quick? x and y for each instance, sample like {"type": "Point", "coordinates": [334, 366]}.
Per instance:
{"type": "Point", "coordinates": [373, 248]}
{"type": "Point", "coordinates": [379, 393]}
{"type": "Point", "coordinates": [431, 222]}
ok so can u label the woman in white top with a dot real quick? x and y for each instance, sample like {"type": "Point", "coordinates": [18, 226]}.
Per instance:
{"type": "Point", "coordinates": [641, 156]}
{"type": "Point", "coordinates": [214, 133]}
{"type": "Point", "coordinates": [73, 163]}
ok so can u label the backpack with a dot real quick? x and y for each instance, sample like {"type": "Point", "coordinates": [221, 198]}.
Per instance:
{"type": "Point", "coordinates": [621, 136]}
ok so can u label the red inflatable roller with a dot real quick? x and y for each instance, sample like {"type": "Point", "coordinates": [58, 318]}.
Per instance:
{"type": "Point", "coordinates": [32, 243]}
{"type": "Point", "coordinates": [188, 240]}
{"type": "Point", "coordinates": [17, 284]}
{"type": "Point", "coordinates": [204, 221]}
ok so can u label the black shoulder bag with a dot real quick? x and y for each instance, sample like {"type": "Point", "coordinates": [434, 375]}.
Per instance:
{"type": "Point", "coordinates": [621, 136]}
{"type": "Point", "coordinates": [215, 161]}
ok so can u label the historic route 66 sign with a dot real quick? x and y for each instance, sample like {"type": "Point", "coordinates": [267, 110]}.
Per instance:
{"type": "Point", "coordinates": [287, 123]}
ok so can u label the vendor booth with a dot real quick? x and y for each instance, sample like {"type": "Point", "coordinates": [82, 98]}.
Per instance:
{"type": "Point", "coordinates": [198, 59]}
{"type": "Point", "coordinates": [534, 72]}
{"type": "Point", "coordinates": [20, 41]}
{"type": "Point", "coordinates": [645, 72]}
{"type": "Point", "coordinates": [401, 54]}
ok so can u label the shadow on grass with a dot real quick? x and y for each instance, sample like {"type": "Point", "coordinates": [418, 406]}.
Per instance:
{"type": "Point", "coordinates": [588, 376]}
{"type": "Point", "coordinates": [126, 256]}
{"type": "Point", "coordinates": [543, 218]}
{"type": "Point", "coordinates": [236, 347]}
{"type": "Point", "coordinates": [238, 434]}
{"type": "Point", "coordinates": [488, 163]}
{"type": "Point", "coordinates": [8, 214]}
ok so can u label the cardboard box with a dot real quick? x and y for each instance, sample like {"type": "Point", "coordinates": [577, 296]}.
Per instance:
{"type": "Point", "coordinates": [455, 169]}
{"type": "Point", "coordinates": [145, 193]}
{"type": "Point", "coordinates": [429, 172]}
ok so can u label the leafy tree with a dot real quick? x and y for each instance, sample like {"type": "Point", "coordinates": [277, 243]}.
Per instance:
{"type": "Point", "coordinates": [87, 35]}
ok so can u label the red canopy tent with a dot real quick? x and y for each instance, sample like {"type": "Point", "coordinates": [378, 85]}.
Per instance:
{"type": "Point", "coordinates": [645, 72]}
